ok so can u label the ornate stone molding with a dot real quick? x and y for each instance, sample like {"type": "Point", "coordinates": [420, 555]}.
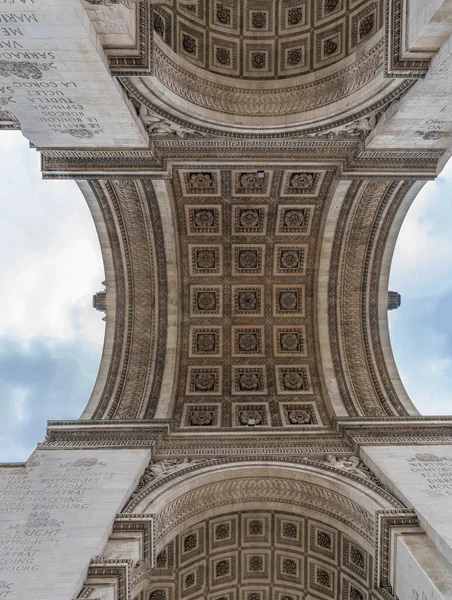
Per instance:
{"type": "Point", "coordinates": [114, 568]}
{"type": "Point", "coordinates": [395, 64]}
{"type": "Point", "coordinates": [160, 469]}
{"type": "Point", "coordinates": [414, 436]}
{"type": "Point", "coordinates": [390, 164]}
{"type": "Point", "coordinates": [230, 100]}
{"type": "Point", "coordinates": [366, 215]}
{"type": "Point", "coordinates": [254, 446]}
{"type": "Point", "coordinates": [385, 522]}
{"type": "Point", "coordinates": [153, 434]}
{"type": "Point", "coordinates": [376, 357]}
{"type": "Point", "coordinates": [350, 434]}
{"type": "Point", "coordinates": [358, 474]}
{"type": "Point", "coordinates": [158, 127]}
{"type": "Point", "coordinates": [356, 129]}
{"type": "Point", "coordinates": [141, 524]}
{"type": "Point", "coordinates": [256, 490]}
{"type": "Point", "coordinates": [110, 222]}
{"type": "Point", "coordinates": [132, 219]}
{"type": "Point", "coordinates": [352, 464]}
{"type": "Point", "coordinates": [143, 94]}
{"type": "Point", "coordinates": [107, 572]}
{"type": "Point", "coordinates": [104, 433]}
{"type": "Point", "coordinates": [352, 160]}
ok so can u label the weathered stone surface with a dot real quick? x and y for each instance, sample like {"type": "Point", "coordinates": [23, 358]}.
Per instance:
{"type": "Point", "coordinates": [421, 476]}
{"type": "Point", "coordinates": [56, 513]}
{"type": "Point", "coordinates": [55, 79]}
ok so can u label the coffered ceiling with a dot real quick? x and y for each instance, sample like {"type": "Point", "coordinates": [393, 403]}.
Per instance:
{"type": "Point", "coordinates": [247, 243]}
{"type": "Point", "coordinates": [247, 296]}
{"type": "Point", "coordinates": [276, 64]}
{"type": "Point", "coordinates": [266, 39]}
{"type": "Point", "coordinates": [262, 555]}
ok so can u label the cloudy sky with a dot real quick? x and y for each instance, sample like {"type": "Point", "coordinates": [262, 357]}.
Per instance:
{"type": "Point", "coordinates": [421, 329]}
{"type": "Point", "coordinates": [50, 266]}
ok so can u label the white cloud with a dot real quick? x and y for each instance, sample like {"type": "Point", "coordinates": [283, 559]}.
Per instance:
{"type": "Point", "coordinates": [51, 255]}
{"type": "Point", "coordinates": [422, 263]}
{"type": "Point", "coordinates": [421, 329]}
{"type": "Point", "coordinates": [18, 401]}
{"type": "Point", "coordinates": [50, 266]}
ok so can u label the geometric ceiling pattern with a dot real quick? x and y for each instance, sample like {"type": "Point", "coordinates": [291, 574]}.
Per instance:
{"type": "Point", "coordinates": [266, 39]}
{"type": "Point", "coordinates": [262, 555]}
{"type": "Point", "coordinates": [247, 243]}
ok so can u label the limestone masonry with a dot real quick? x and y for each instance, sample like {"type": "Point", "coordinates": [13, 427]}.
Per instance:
{"type": "Point", "coordinates": [248, 165]}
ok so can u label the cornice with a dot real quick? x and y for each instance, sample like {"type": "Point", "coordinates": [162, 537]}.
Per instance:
{"type": "Point", "coordinates": [347, 435]}
{"type": "Point", "coordinates": [395, 431]}
{"type": "Point", "coordinates": [349, 155]}
{"type": "Point", "coordinates": [104, 434]}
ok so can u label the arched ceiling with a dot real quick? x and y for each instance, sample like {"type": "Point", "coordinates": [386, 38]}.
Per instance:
{"type": "Point", "coordinates": [247, 243]}
{"type": "Point", "coordinates": [264, 529]}
{"type": "Point", "coordinates": [262, 40]}
{"type": "Point", "coordinates": [262, 555]}
{"type": "Point", "coordinates": [246, 247]}
{"type": "Point", "coordinates": [257, 529]}
{"type": "Point", "coordinates": [237, 298]}
{"type": "Point", "coordinates": [265, 66]}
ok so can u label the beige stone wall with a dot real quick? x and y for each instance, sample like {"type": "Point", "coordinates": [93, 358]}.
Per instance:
{"type": "Point", "coordinates": [57, 513]}
{"type": "Point", "coordinates": [421, 477]}
{"type": "Point", "coordinates": [55, 79]}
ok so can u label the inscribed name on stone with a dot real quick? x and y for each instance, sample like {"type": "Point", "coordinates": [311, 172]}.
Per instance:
{"type": "Point", "coordinates": [56, 514]}
{"type": "Point", "coordinates": [422, 477]}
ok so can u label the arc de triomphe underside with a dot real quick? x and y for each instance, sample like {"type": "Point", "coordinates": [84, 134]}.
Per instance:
{"type": "Point", "coordinates": [248, 165]}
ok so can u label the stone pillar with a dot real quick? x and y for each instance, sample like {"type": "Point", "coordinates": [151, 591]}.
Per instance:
{"type": "Point", "coordinates": [421, 477]}
{"type": "Point", "coordinates": [423, 117]}
{"type": "Point", "coordinates": [420, 571]}
{"type": "Point", "coordinates": [115, 23]}
{"type": "Point", "coordinates": [55, 80]}
{"type": "Point", "coordinates": [429, 24]}
{"type": "Point", "coordinates": [56, 514]}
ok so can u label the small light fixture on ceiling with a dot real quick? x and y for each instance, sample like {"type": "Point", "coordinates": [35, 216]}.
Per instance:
{"type": "Point", "coordinates": [260, 174]}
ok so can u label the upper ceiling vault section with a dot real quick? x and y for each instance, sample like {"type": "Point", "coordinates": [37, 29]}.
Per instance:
{"type": "Point", "coordinates": [266, 39]}
{"type": "Point", "coordinates": [265, 66]}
